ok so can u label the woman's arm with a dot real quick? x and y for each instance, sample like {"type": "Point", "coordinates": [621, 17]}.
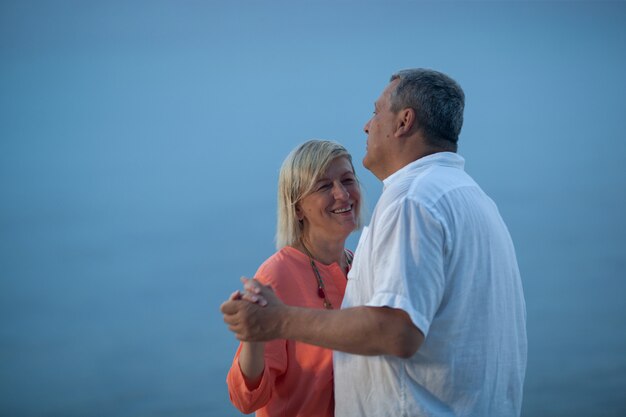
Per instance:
{"type": "Point", "coordinates": [252, 363]}
{"type": "Point", "coordinates": [251, 360]}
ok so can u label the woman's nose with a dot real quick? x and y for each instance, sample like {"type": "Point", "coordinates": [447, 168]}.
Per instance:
{"type": "Point", "coordinates": [340, 192]}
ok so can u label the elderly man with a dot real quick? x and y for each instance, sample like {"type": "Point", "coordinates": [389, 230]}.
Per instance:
{"type": "Point", "coordinates": [433, 322]}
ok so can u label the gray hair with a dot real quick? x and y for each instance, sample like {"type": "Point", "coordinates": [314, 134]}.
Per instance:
{"type": "Point", "coordinates": [438, 102]}
{"type": "Point", "coordinates": [300, 171]}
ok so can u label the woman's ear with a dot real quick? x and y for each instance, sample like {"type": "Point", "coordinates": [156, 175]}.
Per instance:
{"type": "Point", "coordinates": [299, 213]}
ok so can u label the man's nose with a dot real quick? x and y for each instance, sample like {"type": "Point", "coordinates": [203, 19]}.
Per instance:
{"type": "Point", "coordinates": [366, 128]}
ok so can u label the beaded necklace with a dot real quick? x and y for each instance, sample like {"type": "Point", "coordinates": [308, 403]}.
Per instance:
{"type": "Point", "coordinates": [321, 291]}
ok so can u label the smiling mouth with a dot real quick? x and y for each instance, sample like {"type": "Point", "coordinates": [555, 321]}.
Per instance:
{"type": "Point", "coordinates": [342, 210]}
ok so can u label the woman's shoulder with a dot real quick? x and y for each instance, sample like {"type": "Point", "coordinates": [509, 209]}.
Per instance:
{"type": "Point", "coordinates": [275, 269]}
{"type": "Point", "coordinates": [284, 272]}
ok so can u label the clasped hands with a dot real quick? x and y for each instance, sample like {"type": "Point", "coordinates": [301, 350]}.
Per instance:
{"type": "Point", "coordinates": [254, 314]}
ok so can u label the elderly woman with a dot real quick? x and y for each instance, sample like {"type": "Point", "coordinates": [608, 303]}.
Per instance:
{"type": "Point", "coordinates": [319, 202]}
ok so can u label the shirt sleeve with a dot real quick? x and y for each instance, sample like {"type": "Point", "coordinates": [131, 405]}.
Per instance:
{"type": "Point", "coordinates": [247, 400]}
{"type": "Point", "coordinates": [408, 258]}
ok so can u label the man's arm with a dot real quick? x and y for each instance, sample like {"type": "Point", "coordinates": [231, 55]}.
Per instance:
{"type": "Point", "coordinates": [359, 330]}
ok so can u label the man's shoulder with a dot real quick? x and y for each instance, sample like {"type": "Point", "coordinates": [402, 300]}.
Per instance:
{"type": "Point", "coordinates": [437, 180]}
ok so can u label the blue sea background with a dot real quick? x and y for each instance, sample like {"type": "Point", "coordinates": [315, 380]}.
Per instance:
{"type": "Point", "coordinates": [139, 149]}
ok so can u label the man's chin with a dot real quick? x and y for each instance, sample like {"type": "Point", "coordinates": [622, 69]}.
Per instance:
{"type": "Point", "coordinates": [368, 163]}
{"type": "Point", "coordinates": [365, 162]}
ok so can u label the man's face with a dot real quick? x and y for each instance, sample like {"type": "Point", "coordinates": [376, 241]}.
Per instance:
{"type": "Point", "coordinates": [380, 129]}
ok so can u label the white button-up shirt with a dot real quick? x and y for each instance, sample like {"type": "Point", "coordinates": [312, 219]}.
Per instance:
{"type": "Point", "coordinates": [437, 248]}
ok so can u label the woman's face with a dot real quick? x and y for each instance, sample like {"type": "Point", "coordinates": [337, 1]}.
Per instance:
{"type": "Point", "coordinates": [331, 210]}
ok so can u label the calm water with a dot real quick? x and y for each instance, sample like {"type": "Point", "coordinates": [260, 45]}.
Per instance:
{"type": "Point", "coordinates": [139, 150]}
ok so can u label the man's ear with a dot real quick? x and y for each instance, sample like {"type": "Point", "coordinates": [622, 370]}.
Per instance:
{"type": "Point", "coordinates": [406, 120]}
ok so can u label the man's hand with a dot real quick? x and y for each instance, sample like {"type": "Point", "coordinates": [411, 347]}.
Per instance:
{"type": "Point", "coordinates": [256, 315]}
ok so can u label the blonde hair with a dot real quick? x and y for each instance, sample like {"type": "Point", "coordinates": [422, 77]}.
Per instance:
{"type": "Point", "coordinates": [298, 174]}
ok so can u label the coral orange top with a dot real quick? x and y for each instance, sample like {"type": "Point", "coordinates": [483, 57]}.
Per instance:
{"type": "Point", "coordinates": [298, 378]}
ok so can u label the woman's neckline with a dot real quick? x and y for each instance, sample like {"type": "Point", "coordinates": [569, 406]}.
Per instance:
{"type": "Point", "coordinates": [305, 257]}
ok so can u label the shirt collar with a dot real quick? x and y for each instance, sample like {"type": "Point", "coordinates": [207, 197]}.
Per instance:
{"type": "Point", "coordinates": [450, 159]}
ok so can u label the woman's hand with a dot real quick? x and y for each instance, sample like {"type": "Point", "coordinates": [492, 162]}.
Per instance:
{"type": "Point", "coordinates": [255, 292]}
{"type": "Point", "coordinates": [252, 292]}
